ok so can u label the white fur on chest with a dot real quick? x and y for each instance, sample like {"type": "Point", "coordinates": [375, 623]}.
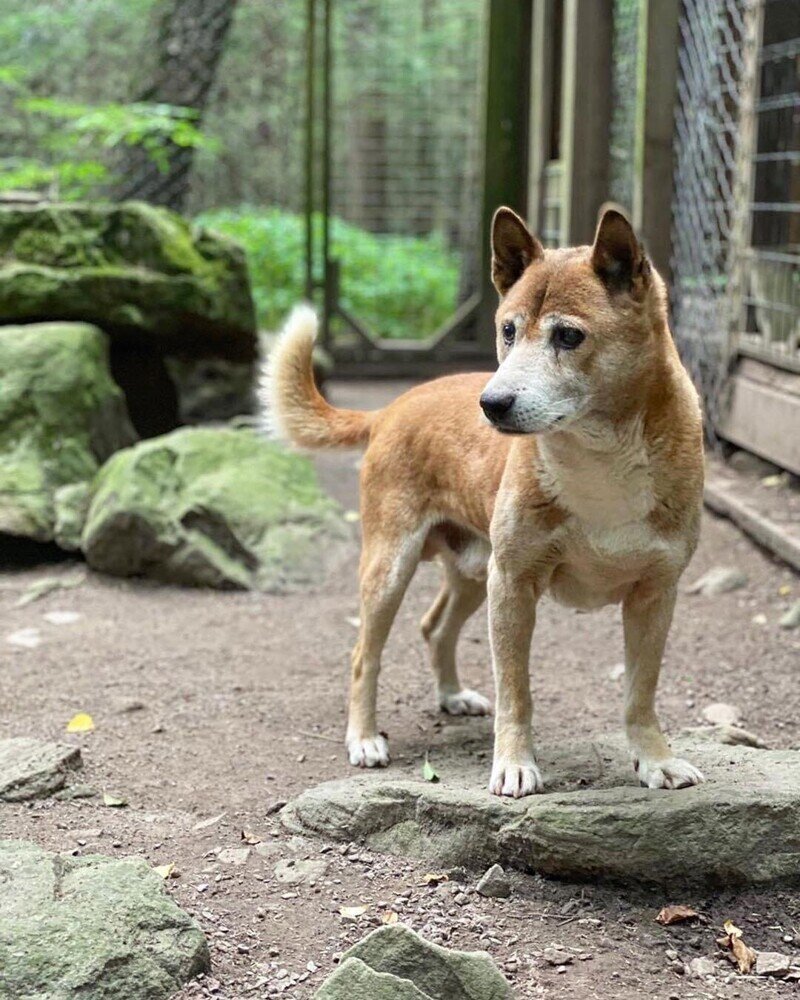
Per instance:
{"type": "Point", "coordinates": [608, 542]}
{"type": "Point", "coordinates": [605, 489]}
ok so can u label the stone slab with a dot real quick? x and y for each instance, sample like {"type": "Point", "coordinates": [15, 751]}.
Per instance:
{"type": "Point", "coordinates": [593, 821]}
{"type": "Point", "coordinates": [34, 769]}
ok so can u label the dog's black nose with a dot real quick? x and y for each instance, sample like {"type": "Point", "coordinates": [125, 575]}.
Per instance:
{"type": "Point", "coordinates": [496, 404]}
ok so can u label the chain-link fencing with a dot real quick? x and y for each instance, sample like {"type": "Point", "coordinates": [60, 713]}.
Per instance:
{"type": "Point", "coordinates": [736, 220]}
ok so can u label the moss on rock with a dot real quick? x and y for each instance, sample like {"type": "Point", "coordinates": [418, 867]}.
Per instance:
{"type": "Point", "coordinates": [92, 927]}
{"type": "Point", "coordinates": [61, 416]}
{"type": "Point", "coordinates": [134, 270]}
{"type": "Point", "coordinates": [210, 507]}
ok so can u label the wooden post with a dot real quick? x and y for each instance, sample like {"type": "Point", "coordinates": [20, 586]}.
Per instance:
{"type": "Point", "coordinates": [585, 115]}
{"type": "Point", "coordinates": [505, 180]}
{"type": "Point", "coordinates": [543, 57]}
{"type": "Point", "coordinates": [656, 93]}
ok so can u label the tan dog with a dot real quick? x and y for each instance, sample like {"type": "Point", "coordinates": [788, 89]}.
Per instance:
{"type": "Point", "coordinates": [585, 482]}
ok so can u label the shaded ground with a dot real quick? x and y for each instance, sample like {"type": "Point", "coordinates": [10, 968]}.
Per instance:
{"type": "Point", "coordinates": [208, 703]}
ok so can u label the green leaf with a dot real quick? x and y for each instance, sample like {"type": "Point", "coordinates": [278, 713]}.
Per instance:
{"type": "Point", "coordinates": [428, 771]}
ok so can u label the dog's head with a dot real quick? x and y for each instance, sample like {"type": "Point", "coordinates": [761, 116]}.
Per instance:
{"type": "Point", "coordinates": [575, 327]}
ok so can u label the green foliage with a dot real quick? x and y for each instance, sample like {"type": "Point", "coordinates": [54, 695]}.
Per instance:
{"type": "Point", "coordinates": [72, 135]}
{"type": "Point", "coordinates": [399, 286]}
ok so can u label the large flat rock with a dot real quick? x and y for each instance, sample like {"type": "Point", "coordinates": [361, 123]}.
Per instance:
{"type": "Point", "coordinates": [33, 769]}
{"type": "Point", "coordinates": [741, 826]}
{"type": "Point", "coordinates": [91, 927]}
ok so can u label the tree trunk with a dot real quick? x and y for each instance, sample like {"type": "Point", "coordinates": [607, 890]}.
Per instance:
{"type": "Point", "coordinates": [182, 53]}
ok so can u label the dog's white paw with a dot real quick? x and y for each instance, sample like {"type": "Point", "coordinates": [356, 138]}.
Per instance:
{"type": "Point", "coordinates": [370, 752]}
{"type": "Point", "coordinates": [670, 773]}
{"type": "Point", "coordinates": [514, 779]}
{"type": "Point", "coordinates": [465, 702]}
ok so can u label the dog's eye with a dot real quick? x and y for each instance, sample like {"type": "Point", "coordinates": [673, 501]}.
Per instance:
{"type": "Point", "coordinates": [567, 338]}
{"type": "Point", "coordinates": [509, 331]}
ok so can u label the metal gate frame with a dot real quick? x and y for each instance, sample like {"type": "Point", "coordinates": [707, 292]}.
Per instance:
{"type": "Point", "coordinates": [467, 338]}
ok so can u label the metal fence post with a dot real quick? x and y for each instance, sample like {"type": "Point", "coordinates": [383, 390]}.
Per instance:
{"type": "Point", "coordinates": [585, 115]}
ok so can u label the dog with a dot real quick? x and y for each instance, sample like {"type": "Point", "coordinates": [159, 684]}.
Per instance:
{"type": "Point", "coordinates": [576, 469]}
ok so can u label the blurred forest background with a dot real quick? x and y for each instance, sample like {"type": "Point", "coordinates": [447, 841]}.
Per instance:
{"type": "Point", "coordinates": [200, 105]}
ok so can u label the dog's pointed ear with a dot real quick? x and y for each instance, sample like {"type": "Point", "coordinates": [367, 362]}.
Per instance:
{"type": "Point", "coordinates": [618, 257]}
{"type": "Point", "coordinates": [514, 247]}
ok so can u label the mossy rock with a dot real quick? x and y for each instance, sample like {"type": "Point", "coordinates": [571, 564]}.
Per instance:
{"type": "Point", "coordinates": [92, 927]}
{"type": "Point", "coordinates": [210, 507]}
{"type": "Point", "coordinates": [61, 417]}
{"type": "Point", "coordinates": [141, 273]}
{"type": "Point", "coordinates": [394, 963]}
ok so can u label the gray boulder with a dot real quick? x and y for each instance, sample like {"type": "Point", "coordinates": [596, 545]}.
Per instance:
{"type": "Point", "coordinates": [61, 416]}
{"type": "Point", "coordinates": [741, 826]}
{"type": "Point", "coordinates": [216, 508]}
{"type": "Point", "coordinates": [33, 769]}
{"type": "Point", "coordinates": [402, 960]}
{"type": "Point", "coordinates": [92, 927]}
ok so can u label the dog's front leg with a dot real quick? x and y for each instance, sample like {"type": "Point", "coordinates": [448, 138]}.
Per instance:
{"type": "Point", "coordinates": [647, 616]}
{"type": "Point", "coordinates": [512, 616]}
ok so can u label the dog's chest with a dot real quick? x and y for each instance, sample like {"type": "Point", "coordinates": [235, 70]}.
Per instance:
{"type": "Point", "coordinates": [604, 491]}
{"type": "Point", "coordinates": [607, 542]}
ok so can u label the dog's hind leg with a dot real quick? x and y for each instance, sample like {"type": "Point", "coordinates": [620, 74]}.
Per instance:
{"type": "Point", "coordinates": [459, 598]}
{"type": "Point", "coordinates": [387, 566]}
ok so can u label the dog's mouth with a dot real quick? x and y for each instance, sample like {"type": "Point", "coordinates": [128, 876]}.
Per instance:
{"type": "Point", "coordinates": [521, 432]}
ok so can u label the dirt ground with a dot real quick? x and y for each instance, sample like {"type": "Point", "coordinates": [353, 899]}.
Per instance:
{"type": "Point", "coordinates": [213, 708]}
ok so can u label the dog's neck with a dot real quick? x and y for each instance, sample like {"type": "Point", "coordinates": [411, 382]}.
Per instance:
{"type": "Point", "coordinates": [599, 471]}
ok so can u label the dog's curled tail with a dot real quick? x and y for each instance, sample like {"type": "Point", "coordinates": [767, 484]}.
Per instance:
{"type": "Point", "coordinates": [293, 408]}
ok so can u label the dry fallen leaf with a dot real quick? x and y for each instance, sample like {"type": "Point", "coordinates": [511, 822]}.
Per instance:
{"type": "Point", "coordinates": [434, 878]}
{"type": "Point", "coordinates": [676, 913]}
{"type": "Point", "coordinates": [204, 824]}
{"type": "Point", "coordinates": [389, 917]}
{"type": "Point", "coordinates": [113, 801]}
{"type": "Point", "coordinates": [164, 870]}
{"type": "Point", "coordinates": [743, 956]}
{"type": "Point", "coordinates": [352, 912]}
{"type": "Point", "coordinates": [250, 838]}
{"type": "Point", "coordinates": [80, 723]}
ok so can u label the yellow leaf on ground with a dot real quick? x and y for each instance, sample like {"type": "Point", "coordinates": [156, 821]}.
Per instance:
{"type": "Point", "coordinates": [164, 870]}
{"type": "Point", "coordinates": [785, 589]}
{"type": "Point", "coordinates": [389, 917]}
{"type": "Point", "coordinates": [352, 912]}
{"type": "Point", "coordinates": [351, 516]}
{"type": "Point", "coordinates": [80, 723]}
{"type": "Point", "coordinates": [434, 878]}
{"type": "Point", "coordinates": [250, 838]}
{"type": "Point", "coordinates": [676, 913]}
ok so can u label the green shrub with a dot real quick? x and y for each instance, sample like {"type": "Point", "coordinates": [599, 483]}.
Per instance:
{"type": "Point", "coordinates": [399, 286]}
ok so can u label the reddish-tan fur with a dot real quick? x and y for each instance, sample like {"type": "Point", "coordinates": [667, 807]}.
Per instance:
{"type": "Point", "coordinates": [600, 505]}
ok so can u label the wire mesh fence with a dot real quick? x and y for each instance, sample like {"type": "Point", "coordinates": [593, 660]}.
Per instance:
{"type": "Point", "coordinates": [398, 123]}
{"type": "Point", "coordinates": [736, 219]}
